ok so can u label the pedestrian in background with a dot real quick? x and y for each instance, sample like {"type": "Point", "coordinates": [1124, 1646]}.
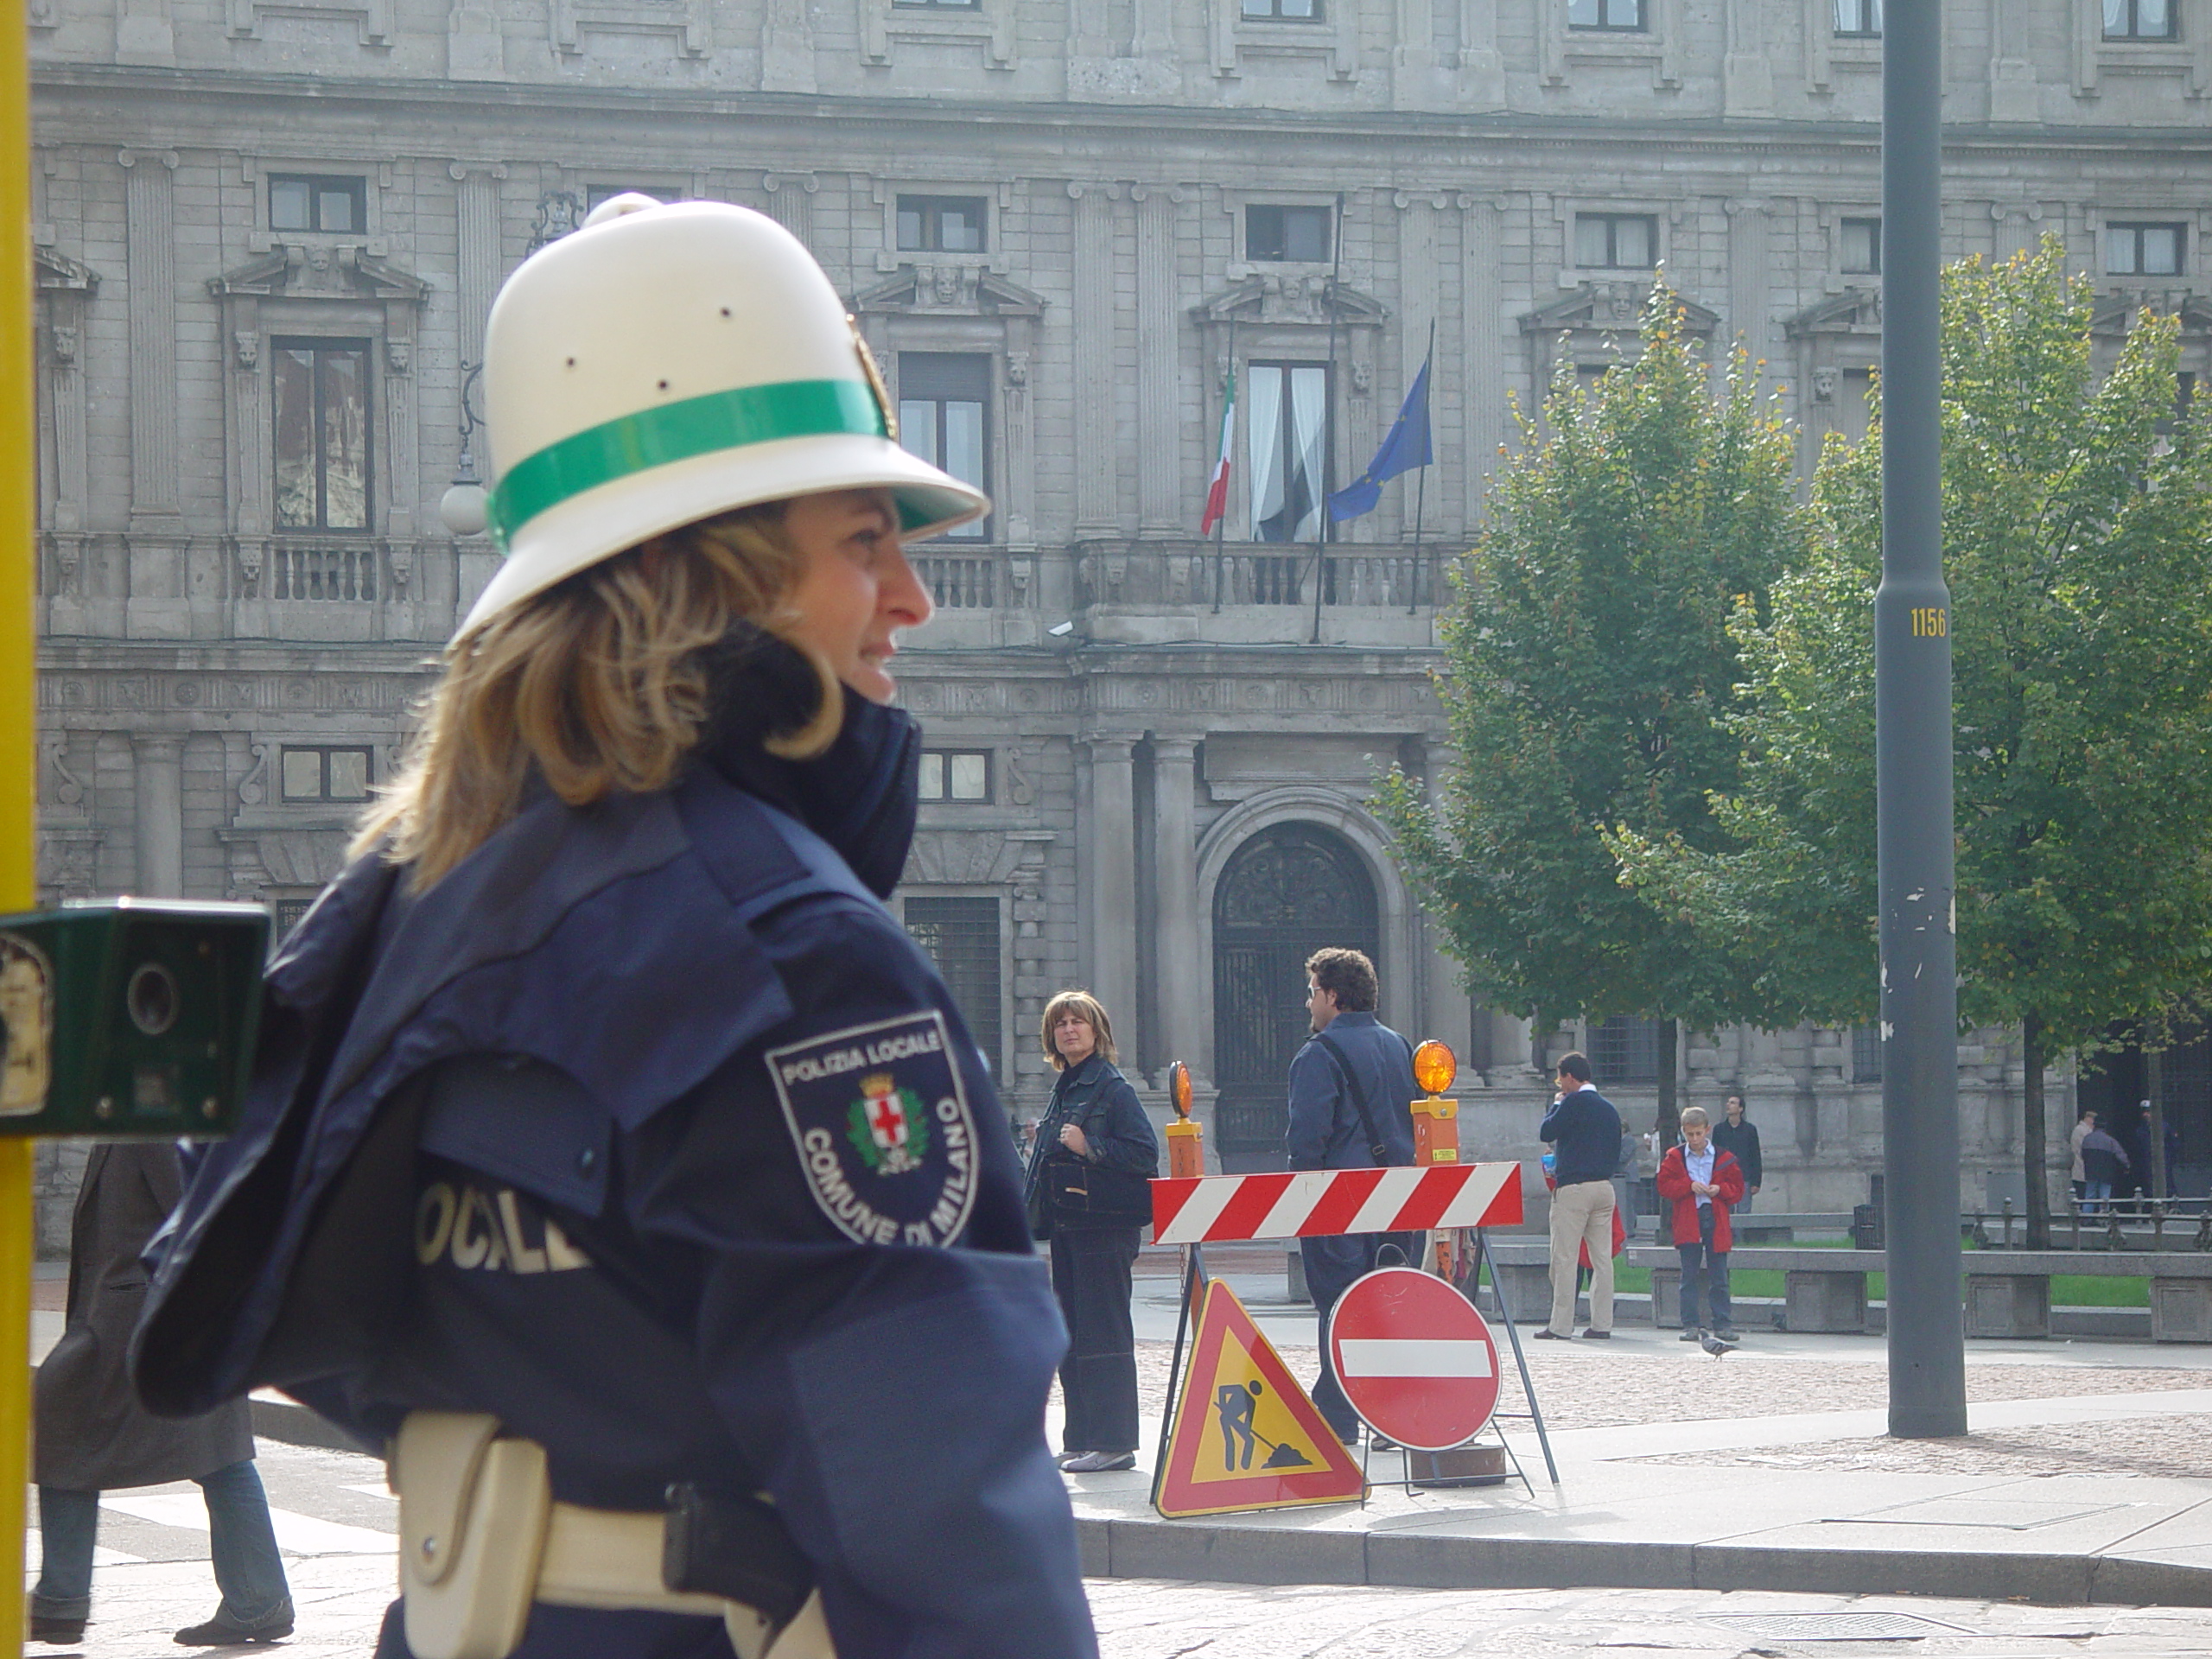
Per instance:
{"type": "Point", "coordinates": [1702, 1182]}
{"type": "Point", "coordinates": [2106, 1163]}
{"type": "Point", "coordinates": [1584, 1130]}
{"type": "Point", "coordinates": [2082, 1125]}
{"type": "Point", "coordinates": [1351, 1091]}
{"type": "Point", "coordinates": [93, 1436]}
{"type": "Point", "coordinates": [1088, 1192]}
{"type": "Point", "coordinates": [1736, 1134]}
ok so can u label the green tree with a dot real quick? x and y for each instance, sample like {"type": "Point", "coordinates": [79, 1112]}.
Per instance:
{"type": "Point", "coordinates": [1588, 674]}
{"type": "Point", "coordinates": [2077, 534]}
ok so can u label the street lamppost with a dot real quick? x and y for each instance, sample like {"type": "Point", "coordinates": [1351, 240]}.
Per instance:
{"type": "Point", "coordinates": [1912, 699]}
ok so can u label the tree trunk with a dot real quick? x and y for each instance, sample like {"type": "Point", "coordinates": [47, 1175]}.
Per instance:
{"type": "Point", "coordinates": [2034, 1132]}
{"type": "Point", "coordinates": [1671, 1118]}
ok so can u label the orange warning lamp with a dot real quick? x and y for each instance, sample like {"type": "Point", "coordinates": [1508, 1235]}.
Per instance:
{"type": "Point", "coordinates": [1186, 1152]}
{"type": "Point", "coordinates": [1436, 1119]}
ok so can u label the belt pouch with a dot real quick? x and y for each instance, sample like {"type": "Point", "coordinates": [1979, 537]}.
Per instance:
{"type": "Point", "coordinates": [473, 1511]}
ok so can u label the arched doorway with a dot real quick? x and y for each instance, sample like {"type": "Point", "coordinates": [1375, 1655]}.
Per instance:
{"type": "Point", "coordinates": [1284, 895]}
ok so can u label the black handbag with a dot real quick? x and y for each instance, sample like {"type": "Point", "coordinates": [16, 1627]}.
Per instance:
{"type": "Point", "coordinates": [1090, 1195]}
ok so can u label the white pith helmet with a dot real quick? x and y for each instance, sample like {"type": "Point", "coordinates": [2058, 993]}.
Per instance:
{"type": "Point", "coordinates": [667, 362]}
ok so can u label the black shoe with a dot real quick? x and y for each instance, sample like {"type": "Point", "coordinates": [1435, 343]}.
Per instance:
{"type": "Point", "coordinates": [1690, 1335]}
{"type": "Point", "coordinates": [1547, 1334]}
{"type": "Point", "coordinates": [1098, 1463]}
{"type": "Point", "coordinates": [1593, 1334]}
{"type": "Point", "coordinates": [224, 1631]}
{"type": "Point", "coordinates": [1383, 1443]}
{"type": "Point", "coordinates": [1729, 1333]}
{"type": "Point", "coordinates": [61, 1632]}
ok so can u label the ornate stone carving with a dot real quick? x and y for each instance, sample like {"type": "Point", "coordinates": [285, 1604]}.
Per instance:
{"type": "Point", "coordinates": [1824, 384]}
{"type": "Point", "coordinates": [559, 212]}
{"type": "Point", "coordinates": [253, 788]}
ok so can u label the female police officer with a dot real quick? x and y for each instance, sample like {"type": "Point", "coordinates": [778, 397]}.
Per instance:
{"type": "Point", "coordinates": [610, 1148]}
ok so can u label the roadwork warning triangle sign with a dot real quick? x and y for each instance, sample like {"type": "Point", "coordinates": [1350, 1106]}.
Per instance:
{"type": "Point", "coordinates": [1246, 1435]}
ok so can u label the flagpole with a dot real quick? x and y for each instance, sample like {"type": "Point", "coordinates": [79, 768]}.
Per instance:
{"type": "Point", "coordinates": [1221, 525]}
{"type": "Point", "coordinates": [1420, 490]}
{"type": "Point", "coordinates": [1328, 416]}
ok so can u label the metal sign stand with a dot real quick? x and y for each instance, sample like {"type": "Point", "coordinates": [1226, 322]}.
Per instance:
{"type": "Point", "coordinates": [1535, 1413]}
{"type": "Point", "coordinates": [1194, 1279]}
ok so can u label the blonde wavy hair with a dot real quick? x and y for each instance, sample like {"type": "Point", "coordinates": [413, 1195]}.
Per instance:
{"type": "Point", "coordinates": [1086, 1007]}
{"type": "Point", "coordinates": [599, 684]}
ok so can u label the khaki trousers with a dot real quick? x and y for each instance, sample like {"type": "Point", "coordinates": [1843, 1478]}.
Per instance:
{"type": "Point", "coordinates": [1582, 1214]}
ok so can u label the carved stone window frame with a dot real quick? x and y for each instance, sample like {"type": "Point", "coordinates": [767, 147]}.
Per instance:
{"type": "Point", "coordinates": [64, 288]}
{"type": "Point", "coordinates": [1000, 195]}
{"type": "Point", "coordinates": [1658, 44]}
{"type": "Point", "coordinates": [2148, 210]}
{"type": "Point", "coordinates": [255, 169]}
{"type": "Point", "coordinates": [363, 297]}
{"type": "Point", "coordinates": [1829, 55]}
{"type": "Point", "coordinates": [1332, 39]}
{"type": "Point", "coordinates": [688, 23]}
{"type": "Point", "coordinates": [1666, 216]}
{"type": "Point", "coordinates": [988, 23]}
{"type": "Point", "coordinates": [1831, 214]}
{"type": "Point", "coordinates": [1011, 1036]}
{"type": "Point", "coordinates": [2187, 57]}
{"type": "Point", "coordinates": [242, 18]}
{"type": "Point", "coordinates": [1242, 265]}
{"type": "Point", "coordinates": [994, 317]}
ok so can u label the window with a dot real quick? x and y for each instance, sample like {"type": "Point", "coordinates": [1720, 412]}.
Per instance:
{"type": "Point", "coordinates": [1625, 1049]}
{"type": "Point", "coordinates": [2143, 250]}
{"type": "Point", "coordinates": [323, 433]}
{"type": "Point", "coordinates": [300, 202]}
{"type": "Point", "coordinates": [1862, 247]}
{"type": "Point", "coordinates": [600, 193]}
{"type": "Point", "coordinates": [1287, 433]}
{"type": "Point", "coordinates": [1605, 14]}
{"type": "Point", "coordinates": [324, 774]}
{"type": "Point", "coordinates": [945, 401]}
{"type": "Point", "coordinates": [1285, 11]}
{"type": "Point", "coordinates": [955, 775]}
{"type": "Point", "coordinates": [941, 224]}
{"type": "Point", "coordinates": [1295, 235]}
{"type": "Point", "coordinates": [961, 936]}
{"type": "Point", "coordinates": [1862, 18]}
{"type": "Point", "coordinates": [286, 913]}
{"type": "Point", "coordinates": [2138, 20]}
{"type": "Point", "coordinates": [1616, 241]}
{"type": "Point", "coordinates": [1866, 1054]}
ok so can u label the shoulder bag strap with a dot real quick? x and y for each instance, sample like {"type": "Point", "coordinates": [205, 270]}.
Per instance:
{"type": "Point", "coordinates": [1338, 1058]}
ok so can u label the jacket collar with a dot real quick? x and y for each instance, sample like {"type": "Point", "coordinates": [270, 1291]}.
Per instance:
{"type": "Point", "coordinates": [858, 795]}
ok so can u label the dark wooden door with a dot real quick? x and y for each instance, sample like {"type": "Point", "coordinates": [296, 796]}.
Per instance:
{"type": "Point", "coordinates": [1288, 891]}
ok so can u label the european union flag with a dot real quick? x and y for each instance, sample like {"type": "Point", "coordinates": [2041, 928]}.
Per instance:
{"type": "Point", "coordinates": [1405, 447]}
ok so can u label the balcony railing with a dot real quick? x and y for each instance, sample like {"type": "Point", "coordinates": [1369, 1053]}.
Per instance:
{"type": "Point", "coordinates": [1183, 573]}
{"type": "Point", "coordinates": [962, 581]}
{"type": "Point", "coordinates": [313, 572]}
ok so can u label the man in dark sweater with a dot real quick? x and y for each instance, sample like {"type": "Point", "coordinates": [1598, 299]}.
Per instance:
{"type": "Point", "coordinates": [1737, 1135]}
{"type": "Point", "coordinates": [1584, 1131]}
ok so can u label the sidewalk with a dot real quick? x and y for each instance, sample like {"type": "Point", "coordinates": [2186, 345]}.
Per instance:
{"type": "Point", "coordinates": [2086, 1477]}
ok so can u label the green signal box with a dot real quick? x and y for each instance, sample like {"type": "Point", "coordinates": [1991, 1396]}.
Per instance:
{"type": "Point", "coordinates": [129, 1018]}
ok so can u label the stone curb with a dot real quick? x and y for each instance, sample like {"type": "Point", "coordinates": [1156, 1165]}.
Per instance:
{"type": "Point", "coordinates": [1203, 1551]}
{"type": "Point", "coordinates": [1289, 1553]}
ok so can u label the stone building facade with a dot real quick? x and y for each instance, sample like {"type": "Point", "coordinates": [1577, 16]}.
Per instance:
{"type": "Point", "coordinates": [269, 232]}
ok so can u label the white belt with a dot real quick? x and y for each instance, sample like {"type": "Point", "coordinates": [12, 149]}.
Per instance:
{"type": "Point", "coordinates": [481, 1540]}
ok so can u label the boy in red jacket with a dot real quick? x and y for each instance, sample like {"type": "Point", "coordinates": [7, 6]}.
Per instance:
{"type": "Point", "coordinates": [1703, 1182]}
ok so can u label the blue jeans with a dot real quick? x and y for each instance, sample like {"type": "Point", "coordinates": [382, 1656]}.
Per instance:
{"type": "Point", "coordinates": [1714, 1265]}
{"type": "Point", "coordinates": [2093, 1197]}
{"type": "Point", "coordinates": [248, 1569]}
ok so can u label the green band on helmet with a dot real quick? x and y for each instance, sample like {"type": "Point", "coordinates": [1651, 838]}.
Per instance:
{"type": "Point", "coordinates": [697, 426]}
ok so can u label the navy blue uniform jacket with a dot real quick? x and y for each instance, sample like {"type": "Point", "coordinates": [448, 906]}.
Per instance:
{"type": "Point", "coordinates": [662, 1142]}
{"type": "Point", "coordinates": [1325, 1132]}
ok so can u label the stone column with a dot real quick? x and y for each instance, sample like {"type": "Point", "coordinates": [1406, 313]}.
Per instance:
{"type": "Point", "coordinates": [157, 607]}
{"type": "Point", "coordinates": [160, 814]}
{"type": "Point", "coordinates": [1482, 228]}
{"type": "Point", "coordinates": [1748, 275]}
{"type": "Point", "coordinates": [1162, 507]}
{"type": "Point", "coordinates": [1110, 855]}
{"type": "Point", "coordinates": [1176, 969]}
{"type": "Point", "coordinates": [1097, 441]}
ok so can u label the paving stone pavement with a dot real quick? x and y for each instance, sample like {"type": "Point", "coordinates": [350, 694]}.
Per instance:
{"type": "Point", "coordinates": [335, 1521]}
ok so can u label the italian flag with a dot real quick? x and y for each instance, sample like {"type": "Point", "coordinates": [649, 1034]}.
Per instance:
{"type": "Point", "coordinates": [1218, 491]}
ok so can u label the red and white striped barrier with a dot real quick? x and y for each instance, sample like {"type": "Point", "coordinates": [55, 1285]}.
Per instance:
{"type": "Point", "coordinates": [1318, 1202]}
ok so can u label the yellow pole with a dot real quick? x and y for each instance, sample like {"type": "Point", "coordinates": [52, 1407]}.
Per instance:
{"type": "Point", "coordinates": [18, 783]}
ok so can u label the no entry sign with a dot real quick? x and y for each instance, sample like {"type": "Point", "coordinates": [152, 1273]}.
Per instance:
{"type": "Point", "coordinates": [1414, 1359]}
